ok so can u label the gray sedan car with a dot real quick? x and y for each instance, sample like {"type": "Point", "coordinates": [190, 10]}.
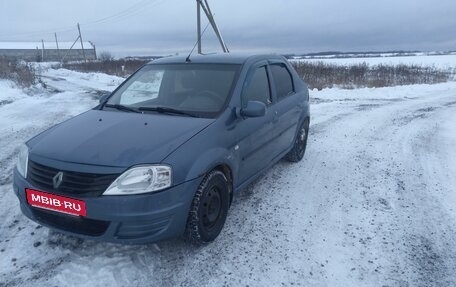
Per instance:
{"type": "Point", "coordinates": [163, 155]}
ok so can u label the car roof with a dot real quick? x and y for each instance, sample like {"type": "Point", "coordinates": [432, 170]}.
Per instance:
{"type": "Point", "coordinates": [225, 58]}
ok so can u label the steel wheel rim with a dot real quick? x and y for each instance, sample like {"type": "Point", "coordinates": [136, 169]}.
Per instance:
{"type": "Point", "coordinates": [212, 208]}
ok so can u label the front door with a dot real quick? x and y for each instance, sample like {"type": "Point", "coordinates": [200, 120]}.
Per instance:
{"type": "Point", "coordinates": [256, 134]}
{"type": "Point", "coordinates": [287, 107]}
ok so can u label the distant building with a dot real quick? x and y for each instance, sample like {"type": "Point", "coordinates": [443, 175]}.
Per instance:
{"type": "Point", "coordinates": [34, 52]}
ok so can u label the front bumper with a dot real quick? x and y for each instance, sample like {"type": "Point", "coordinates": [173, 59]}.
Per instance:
{"type": "Point", "coordinates": [130, 219]}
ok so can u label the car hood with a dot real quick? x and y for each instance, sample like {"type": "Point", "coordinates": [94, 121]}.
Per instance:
{"type": "Point", "coordinates": [117, 139]}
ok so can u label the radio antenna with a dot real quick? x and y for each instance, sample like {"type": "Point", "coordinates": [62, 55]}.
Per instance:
{"type": "Point", "coordinates": [198, 42]}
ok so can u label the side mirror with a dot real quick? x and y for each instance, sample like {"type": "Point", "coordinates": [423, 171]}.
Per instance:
{"type": "Point", "coordinates": [104, 97]}
{"type": "Point", "coordinates": [254, 109]}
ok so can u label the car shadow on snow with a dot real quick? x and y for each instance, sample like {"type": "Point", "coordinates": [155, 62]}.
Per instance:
{"type": "Point", "coordinates": [247, 197]}
{"type": "Point", "coordinates": [152, 262]}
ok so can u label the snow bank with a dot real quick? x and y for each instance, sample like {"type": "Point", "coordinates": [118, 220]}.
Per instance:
{"type": "Point", "coordinates": [386, 93]}
{"type": "Point", "coordinates": [438, 61]}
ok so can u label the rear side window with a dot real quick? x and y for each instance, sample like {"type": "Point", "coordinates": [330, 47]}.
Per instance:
{"type": "Point", "coordinates": [282, 80]}
{"type": "Point", "coordinates": [258, 89]}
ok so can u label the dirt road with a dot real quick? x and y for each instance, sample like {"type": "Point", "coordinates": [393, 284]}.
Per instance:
{"type": "Point", "coordinates": [372, 204]}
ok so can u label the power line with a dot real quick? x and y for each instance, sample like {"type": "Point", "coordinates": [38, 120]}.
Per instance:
{"type": "Point", "coordinates": [139, 6]}
{"type": "Point", "coordinates": [124, 14]}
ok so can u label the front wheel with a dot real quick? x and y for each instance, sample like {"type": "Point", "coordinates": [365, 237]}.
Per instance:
{"type": "Point", "coordinates": [209, 209]}
{"type": "Point", "coordinates": [300, 144]}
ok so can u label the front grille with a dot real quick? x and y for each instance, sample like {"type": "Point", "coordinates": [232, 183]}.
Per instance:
{"type": "Point", "coordinates": [73, 224]}
{"type": "Point", "coordinates": [73, 183]}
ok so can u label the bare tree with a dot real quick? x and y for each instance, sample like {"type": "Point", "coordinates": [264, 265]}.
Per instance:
{"type": "Point", "coordinates": [106, 56]}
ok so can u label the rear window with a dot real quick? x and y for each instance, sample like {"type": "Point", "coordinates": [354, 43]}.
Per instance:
{"type": "Point", "coordinates": [283, 81]}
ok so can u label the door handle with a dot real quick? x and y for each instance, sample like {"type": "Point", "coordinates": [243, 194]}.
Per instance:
{"type": "Point", "coordinates": [275, 117]}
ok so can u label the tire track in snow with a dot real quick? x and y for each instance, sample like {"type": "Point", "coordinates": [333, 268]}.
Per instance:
{"type": "Point", "coordinates": [392, 178]}
{"type": "Point", "coordinates": [360, 210]}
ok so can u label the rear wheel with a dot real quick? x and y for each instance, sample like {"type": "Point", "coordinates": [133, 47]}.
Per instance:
{"type": "Point", "coordinates": [299, 147]}
{"type": "Point", "coordinates": [209, 209]}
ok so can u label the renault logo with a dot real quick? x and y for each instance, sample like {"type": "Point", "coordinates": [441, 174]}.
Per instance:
{"type": "Point", "coordinates": [57, 180]}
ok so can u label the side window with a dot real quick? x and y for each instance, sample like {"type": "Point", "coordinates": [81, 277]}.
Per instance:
{"type": "Point", "coordinates": [282, 80]}
{"type": "Point", "coordinates": [258, 89]}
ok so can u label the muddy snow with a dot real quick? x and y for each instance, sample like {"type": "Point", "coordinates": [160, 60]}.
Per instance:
{"type": "Point", "coordinates": [373, 203]}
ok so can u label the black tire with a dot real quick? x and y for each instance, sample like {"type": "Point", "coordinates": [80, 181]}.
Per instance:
{"type": "Point", "coordinates": [209, 209]}
{"type": "Point", "coordinates": [299, 147]}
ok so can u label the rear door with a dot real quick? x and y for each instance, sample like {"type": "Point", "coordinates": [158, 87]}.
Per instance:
{"type": "Point", "coordinates": [287, 108]}
{"type": "Point", "coordinates": [256, 134]}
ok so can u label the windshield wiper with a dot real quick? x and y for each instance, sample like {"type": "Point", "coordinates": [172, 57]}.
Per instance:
{"type": "Point", "coordinates": [165, 110]}
{"type": "Point", "coordinates": [122, 108]}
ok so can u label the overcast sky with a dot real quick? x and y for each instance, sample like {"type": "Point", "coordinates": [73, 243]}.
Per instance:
{"type": "Point", "coordinates": [158, 27]}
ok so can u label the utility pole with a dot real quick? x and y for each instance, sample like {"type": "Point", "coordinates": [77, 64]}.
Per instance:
{"type": "Point", "coordinates": [207, 10]}
{"type": "Point", "coordinates": [215, 27]}
{"type": "Point", "coordinates": [198, 22]}
{"type": "Point", "coordinates": [82, 45]}
{"type": "Point", "coordinates": [57, 44]}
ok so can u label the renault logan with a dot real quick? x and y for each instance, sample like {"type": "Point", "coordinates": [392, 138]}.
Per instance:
{"type": "Point", "coordinates": [163, 154]}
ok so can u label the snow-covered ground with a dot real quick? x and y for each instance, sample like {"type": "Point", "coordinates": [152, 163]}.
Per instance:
{"type": "Point", "coordinates": [438, 61]}
{"type": "Point", "coordinates": [373, 203]}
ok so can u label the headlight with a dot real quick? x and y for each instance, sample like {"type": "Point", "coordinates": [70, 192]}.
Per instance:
{"type": "Point", "coordinates": [22, 161]}
{"type": "Point", "coordinates": [141, 179]}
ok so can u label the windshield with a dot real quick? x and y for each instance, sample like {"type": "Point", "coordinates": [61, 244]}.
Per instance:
{"type": "Point", "coordinates": [185, 89]}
